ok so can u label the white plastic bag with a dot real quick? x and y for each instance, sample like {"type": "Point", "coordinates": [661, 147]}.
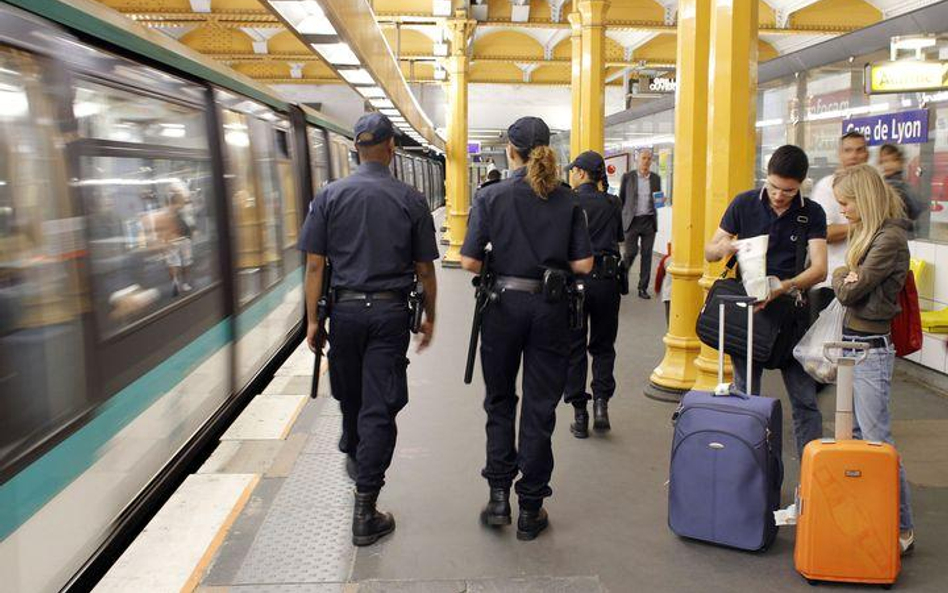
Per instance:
{"type": "Point", "coordinates": [809, 350]}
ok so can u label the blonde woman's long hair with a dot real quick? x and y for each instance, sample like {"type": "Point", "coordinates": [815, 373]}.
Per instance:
{"type": "Point", "coordinates": [875, 202]}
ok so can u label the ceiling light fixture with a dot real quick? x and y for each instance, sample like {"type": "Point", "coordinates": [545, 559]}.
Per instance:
{"type": "Point", "coordinates": [371, 92]}
{"type": "Point", "coordinates": [337, 54]}
{"type": "Point", "coordinates": [306, 16]}
{"type": "Point", "coordinates": [356, 76]}
{"type": "Point", "coordinates": [382, 103]}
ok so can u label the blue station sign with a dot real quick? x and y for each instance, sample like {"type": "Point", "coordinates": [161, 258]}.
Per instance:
{"type": "Point", "coordinates": [904, 127]}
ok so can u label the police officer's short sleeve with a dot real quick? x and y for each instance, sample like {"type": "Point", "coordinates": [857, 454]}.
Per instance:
{"type": "Point", "coordinates": [579, 244]}
{"type": "Point", "coordinates": [424, 244]}
{"type": "Point", "coordinates": [817, 227]}
{"type": "Point", "coordinates": [313, 236]}
{"type": "Point", "coordinates": [477, 232]}
{"type": "Point", "coordinates": [731, 221]}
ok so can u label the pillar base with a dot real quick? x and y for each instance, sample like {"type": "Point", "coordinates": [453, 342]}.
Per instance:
{"type": "Point", "coordinates": [664, 394]}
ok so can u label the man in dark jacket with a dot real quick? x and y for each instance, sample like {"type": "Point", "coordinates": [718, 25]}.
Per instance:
{"type": "Point", "coordinates": [639, 220]}
{"type": "Point", "coordinates": [892, 164]}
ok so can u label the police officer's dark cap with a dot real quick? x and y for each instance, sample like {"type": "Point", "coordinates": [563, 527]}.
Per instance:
{"type": "Point", "coordinates": [373, 128]}
{"type": "Point", "coordinates": [529, 132]}
{"type": "Point", "coordinates": [590, 161]}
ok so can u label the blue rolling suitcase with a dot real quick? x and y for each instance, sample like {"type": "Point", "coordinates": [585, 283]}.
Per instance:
{"type": "Point", "coordinates": [726, 466]}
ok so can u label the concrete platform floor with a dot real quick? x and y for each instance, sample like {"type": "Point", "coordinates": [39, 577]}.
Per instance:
{"type": "Point", "coordinates": [608, 512]}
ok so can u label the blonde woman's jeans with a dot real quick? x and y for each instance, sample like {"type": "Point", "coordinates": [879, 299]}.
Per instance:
{"type": "Point", "coordinates": [872, 386]}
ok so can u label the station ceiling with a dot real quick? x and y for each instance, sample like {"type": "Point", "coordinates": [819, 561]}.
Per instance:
{"type": "Point", "coordinates": [515, 41]}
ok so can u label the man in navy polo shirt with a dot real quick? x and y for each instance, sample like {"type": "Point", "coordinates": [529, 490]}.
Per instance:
{"type": "Point", "coordinates": [780, 211]}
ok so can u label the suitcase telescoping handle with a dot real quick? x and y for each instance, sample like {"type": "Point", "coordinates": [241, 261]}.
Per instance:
{"type": "Point", "coordinates": [849, 354]}
{"type": "Point", "coordinates": [747, 302]}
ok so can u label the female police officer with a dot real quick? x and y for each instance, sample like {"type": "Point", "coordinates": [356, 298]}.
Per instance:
{"type": "Point", "coordinates": [538, 236]}
{"type": "Point", "coordinates": [601, 319]}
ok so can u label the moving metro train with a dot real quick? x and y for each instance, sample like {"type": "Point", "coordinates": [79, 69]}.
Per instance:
{"type": "Point", "coordinates": [150, 202]}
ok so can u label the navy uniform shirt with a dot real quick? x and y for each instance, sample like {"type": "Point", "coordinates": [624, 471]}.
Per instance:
{"type": "Point", "coordinates": [750, 215]}
{"type": "Point", "coordinates": [604, 216]}
{"type": "Point", "coordinates": [372, 228]}
{"type": "Point", "coordinates": [527, 233]}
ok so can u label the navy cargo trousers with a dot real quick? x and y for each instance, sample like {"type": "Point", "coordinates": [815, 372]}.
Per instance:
{"type": "Point", "coordinates": [521, 325]}
{"type": "Point", "coordinates": [601, 327]}
{"type": "Point", "coordinates": [368, 341]}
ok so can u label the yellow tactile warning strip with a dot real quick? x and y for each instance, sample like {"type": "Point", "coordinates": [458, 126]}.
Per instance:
{"type": "Point", "coordinates": [196, 517]}
{"type": "Point", "coordinates": [195, 579]}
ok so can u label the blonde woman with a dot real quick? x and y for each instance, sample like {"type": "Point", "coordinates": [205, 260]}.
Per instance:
{"type": "Point", "coordinates": [877, 262]}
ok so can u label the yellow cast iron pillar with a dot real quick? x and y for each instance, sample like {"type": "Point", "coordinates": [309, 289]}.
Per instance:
{"type": "Point", "coordinates": [732, 135]}
{"type": "Point", "coordinates": [676, 373]}
{"type": "Point", "coordinates": [576, 81]}
{"type": "Point", "coordinates": [456, 177]}
{"type": "Point", "coordinates": [593, 80]}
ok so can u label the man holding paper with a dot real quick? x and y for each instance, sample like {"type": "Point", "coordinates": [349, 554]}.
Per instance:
{"type": "Point", "coordinates": [796, 236]}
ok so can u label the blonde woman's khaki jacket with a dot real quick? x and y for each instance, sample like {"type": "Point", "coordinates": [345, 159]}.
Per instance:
{"type": "Point", "coordinates": [873, 300]}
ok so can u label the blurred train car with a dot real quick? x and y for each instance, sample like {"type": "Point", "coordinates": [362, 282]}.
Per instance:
{"type": "Point", "coordinates": [150, 202]}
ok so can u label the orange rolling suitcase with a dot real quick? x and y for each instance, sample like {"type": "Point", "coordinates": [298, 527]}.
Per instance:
{"type": "Point", "coordinates": [848, 498]}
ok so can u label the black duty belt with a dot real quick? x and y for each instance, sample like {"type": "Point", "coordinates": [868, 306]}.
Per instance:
{"type": "Point", "coordinates": [873, 341]}
{"type": "Point", "coordinates": [530, 285]}
{"type": "Point", "coordinates": [342, 295]}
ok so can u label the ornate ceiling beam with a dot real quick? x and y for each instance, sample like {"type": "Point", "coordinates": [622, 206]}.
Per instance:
{"type": "Point", "coordinates": [260, 19]}
{"type": "Point", "coordinates": [248, 58]}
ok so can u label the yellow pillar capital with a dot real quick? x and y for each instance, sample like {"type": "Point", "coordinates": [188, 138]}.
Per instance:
{"type": "Point", "coordinates": [593, 79]}
{"type": "Point", "coordinates": [593, 11]}
{"type": "Point", "coordinates": [576, 82]}
{"type": "Point", "coordinates": [458, 201]}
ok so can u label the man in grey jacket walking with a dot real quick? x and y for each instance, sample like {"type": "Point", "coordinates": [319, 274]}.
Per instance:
{"type": "Point", "coordinates": [639, 220]}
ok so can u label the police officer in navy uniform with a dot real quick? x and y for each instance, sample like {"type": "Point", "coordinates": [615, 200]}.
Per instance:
{"type": "Point", "coordinates": [537, 231]}
{"type": "Point", "coordinates": [378, 236]}
{"type": "Point", "coordinates": [604, 216]}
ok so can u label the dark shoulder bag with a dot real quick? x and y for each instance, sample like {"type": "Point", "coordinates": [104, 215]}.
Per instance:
{"type": "Point", "coordinates": [735, 329]}
{"type": "Point", "coordinates": [788, 313]}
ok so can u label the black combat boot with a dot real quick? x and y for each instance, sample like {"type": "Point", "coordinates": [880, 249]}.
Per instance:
{"type": "Point", "coordinates": [580, 426]}
{"type": "Point", "coordinates": [531, 522]}
{"type": "Point", "coordinates": [601, 415]}
{"type": "Point", "coordinates": [497, 511]}
{"type": "Point", "coordinates": [352, 468]}
{"type": "Point", "coordinates": [368, 525]}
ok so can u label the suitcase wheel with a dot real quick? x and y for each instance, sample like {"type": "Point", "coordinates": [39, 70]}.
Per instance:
{"type": "Point", "coordinates": [812, 582]}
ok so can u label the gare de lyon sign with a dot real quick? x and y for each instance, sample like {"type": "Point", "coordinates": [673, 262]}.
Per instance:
{"type": "Point", "coordinates": [902, 76]}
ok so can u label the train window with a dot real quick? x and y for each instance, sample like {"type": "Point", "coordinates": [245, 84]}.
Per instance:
{"type": "Point", "coordinates": [152, 234]}
{"type": "Point", "coordinates": [399, 168]}
{"type": "Point", "coordinates": [419, 176]}
{"type": "Point", "coordinates": [103, 112]}
{"type": "Point", "coordinates": [409, 171]}
{"type": "Point", "coordinates": [43, 292]}
{"type": "Point", "coordinates": [254, 203]}
{"type": "Point", "coordinates": [150, 210]}
{"type": "Point", "coordinates": [285, 172]}
{"type": "Point", "coordinates": [337, 152]}
{"type": "Point", "coordinates": [319, 158]}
